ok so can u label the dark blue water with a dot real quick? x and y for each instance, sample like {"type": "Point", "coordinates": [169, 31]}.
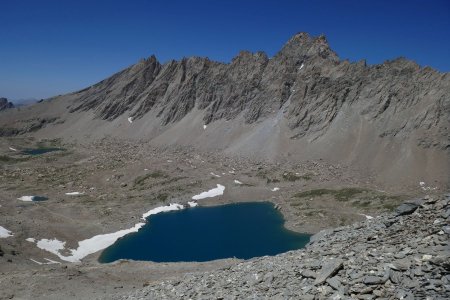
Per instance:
{"type": "Point", "coordinates": [243, 230]}
{"type": "Point", "coordinates": [38, 151]}
{"type": "Point", "coordinates": [39, 198]}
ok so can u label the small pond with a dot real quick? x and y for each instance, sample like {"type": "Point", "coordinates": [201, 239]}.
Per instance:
{"type": "Point", "coordinates": [243, 230]}
{"type": "Point", "coordinates": [39, 198]}
{"type": "Point", "coordinates": [38, 151]}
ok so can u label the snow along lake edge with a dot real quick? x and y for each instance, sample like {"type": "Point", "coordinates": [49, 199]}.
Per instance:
{"type": "Point", "coordinates": [103, 241]}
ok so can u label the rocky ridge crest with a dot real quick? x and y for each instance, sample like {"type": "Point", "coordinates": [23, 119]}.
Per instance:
{"type": "Point", "coordinates": [306, 77]}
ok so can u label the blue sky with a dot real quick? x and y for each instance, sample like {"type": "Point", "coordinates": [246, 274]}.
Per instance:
{"type": "Point", "coordinates": [53, 47]}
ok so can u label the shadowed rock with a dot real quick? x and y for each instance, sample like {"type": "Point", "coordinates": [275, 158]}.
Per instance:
{"type": "Point", "coordinates": [406, 209]}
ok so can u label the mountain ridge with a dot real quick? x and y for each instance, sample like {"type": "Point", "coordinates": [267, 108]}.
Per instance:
{"type": "Point", "coordinates": [255, 85]}
{"type": "Point", "coordinates": [303, 103]}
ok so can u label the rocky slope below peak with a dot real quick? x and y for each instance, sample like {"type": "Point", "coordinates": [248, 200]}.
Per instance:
{"type": "Point", "coordinates": [404, 255]}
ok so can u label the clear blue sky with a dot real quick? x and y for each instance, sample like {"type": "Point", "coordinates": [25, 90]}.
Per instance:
{"type": "Point", "coordinates": [54, 47]}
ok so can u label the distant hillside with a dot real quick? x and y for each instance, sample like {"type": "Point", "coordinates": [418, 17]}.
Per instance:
{"type": "Point", "coordinates": [24, 102]}
{"type": "Point", "coordinates": [4, 104]}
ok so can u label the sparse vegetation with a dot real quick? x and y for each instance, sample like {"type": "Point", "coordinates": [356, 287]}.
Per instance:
{"type": "Point", "coordinates": [9, 159]}
{"type": "Point", "coordinates": [272, 180]}
{"type": "Point", "coordinates": [140, 180]}
{"type": "Point", "coordinates": [5, 158]}
{"type": "Point", "coordinates": [289, 176]}
{"type": "Point", "coordinates": [390, 206]}
{"type": "Point", "coordinates": [356, 197]}
{"type": "Point", "coordinates": [344, 194]}
{"type": "Point", "coordinates": [162, 197]}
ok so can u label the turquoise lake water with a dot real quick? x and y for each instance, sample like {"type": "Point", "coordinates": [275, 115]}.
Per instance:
{"type": "Point", "coordinates": [243, 230]}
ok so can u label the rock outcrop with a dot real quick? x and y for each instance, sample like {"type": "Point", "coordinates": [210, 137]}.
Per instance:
{"type": "Point", "coordinates": [395, 256]}
{"type": "Point", "coordinates": [4, 104]}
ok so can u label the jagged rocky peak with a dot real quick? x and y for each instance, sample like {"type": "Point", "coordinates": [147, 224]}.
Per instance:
{"type": "Point", "coordinates": [306, 76]}
{"type": "Point", "coordinates": [303, 45]}
{"type": "Point", "coordinates": [5, 104]}
{"type": "Point", "coordinates": [247, 56]}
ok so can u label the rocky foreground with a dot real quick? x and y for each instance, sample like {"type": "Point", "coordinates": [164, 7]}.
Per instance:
{"type": "Point", "coordinates": [403, 255]}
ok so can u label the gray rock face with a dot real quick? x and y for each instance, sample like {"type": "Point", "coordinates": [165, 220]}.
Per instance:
{"type": "Point", "coordinates": [406, 209]}
{"type": "Point", "coordinates": [328, 270]}
{"type": "Point", "coordinates": [305, 77]}
{"type": "Point", "coordinates": [337, 265]}
{"type": "Point", "coordinates": [4, 104]}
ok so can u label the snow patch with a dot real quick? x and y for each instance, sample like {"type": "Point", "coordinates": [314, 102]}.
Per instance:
{"type": "Point", "coordinates": [367, 216]}
{"type": "Point", "coordinates": [52, 246]}
{"type": "Point", "coordinates": [49, 262]}
{"type": "Point", "coordinates": [12, 149]}
{"type": "Point", "coordinates": [426, 188]}
{"type": "Point", "coordinates": [39, 263]}
{"type": "Point", "coordinates": [98, 242]}
{"type": "Point", "coordinates": [26, 198]}
{"type": "Point", "coordinates": [301, 67]}
{"type": "Point", "coordinates": [218, 176]}
{"type": "Point", "coordinates": [275, 189]}
{"type": "Point", "coordinates": [160, 209]}
{"type": "Point", "coordinates": [192, 203]}
{"type": "Point", "coordinates": [204, 127]}
{"type": "Point", "coordinates": [4, 233]}
{"type": "Point", "coordinates": [130, 119]}
{"type": "Point", "coordinates": [31, 240]}
{"type": "Point", "coordinates": [74, 193]}
{"type": "Point", "coordinates": [237, 181]}
{"type": "Point", "coordinates": [211, 193]}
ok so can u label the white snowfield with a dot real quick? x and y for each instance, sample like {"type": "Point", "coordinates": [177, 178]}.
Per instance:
{"type": "Point", "coordinates": [275, 189]}
{"type": "Point", "coordinates": [12, 149]}
{"type": "Point", "coordinates": [192, 203]}
{"type": "Point", "coordinates": [74, 193]}
{"type": "Point", "coordinates": [237, 181]}
{"type": "Point", "coordinates": [211, 193]}
{"type": "Point", "coordinates": [26, 198]}
{"type": "Point", "coordinates": [4, 233]}
{"type": "Point", "coordinates": [204, 127]}
{"type": "Point", "coordinates": [98, 242]}
{"type": "Point", "coordinates": [160, 209]}
{"type": "Point", "coordinates": [130, 119]}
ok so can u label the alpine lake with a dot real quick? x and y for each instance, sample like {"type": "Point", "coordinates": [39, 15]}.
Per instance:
{"type": "Point", "coordinates": [242, 230]}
